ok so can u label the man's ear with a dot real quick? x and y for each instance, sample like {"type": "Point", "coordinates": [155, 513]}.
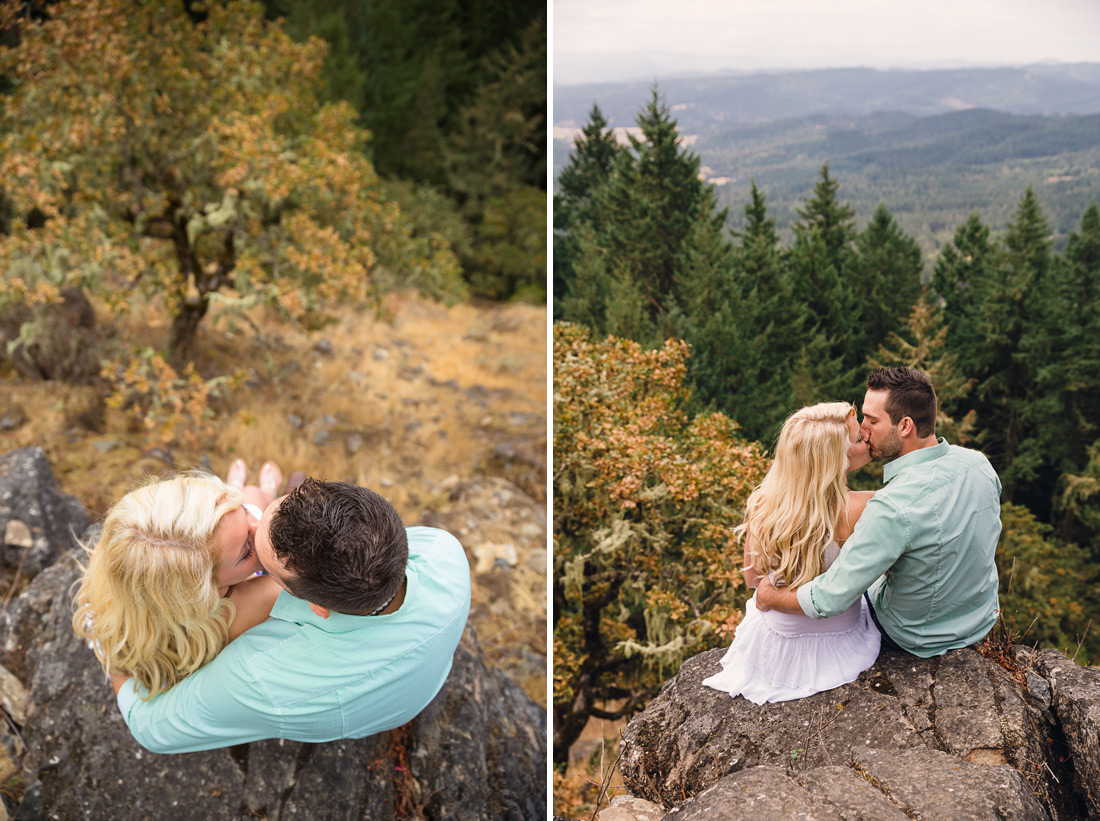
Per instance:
{"type": "Point", "coordinates": [323, 612]}
{"type": "Point", "coordinates": [906, 427]}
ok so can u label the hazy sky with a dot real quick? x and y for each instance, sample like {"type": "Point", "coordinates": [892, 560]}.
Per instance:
{"type": "Point", "coordinates": [592, 38]}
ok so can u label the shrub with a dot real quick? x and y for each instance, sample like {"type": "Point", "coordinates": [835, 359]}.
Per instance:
{"type": "Point", "coordinates": [646, 569]}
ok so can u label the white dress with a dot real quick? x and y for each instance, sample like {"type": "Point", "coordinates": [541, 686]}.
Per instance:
{"type": "Point", "coordinates": [779, 656]}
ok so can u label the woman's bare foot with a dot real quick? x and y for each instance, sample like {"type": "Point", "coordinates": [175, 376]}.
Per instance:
{"type": "Point", "coordinates": [271, 480]}
{"type": "Point", "coordinates": [237, 474]}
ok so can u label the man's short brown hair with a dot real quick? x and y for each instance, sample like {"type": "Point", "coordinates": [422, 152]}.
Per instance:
{"type": "Point", "coordinates": [345, 546]}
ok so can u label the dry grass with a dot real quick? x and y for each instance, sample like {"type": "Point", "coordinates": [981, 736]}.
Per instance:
{"type": "Point", "coordinates": [592, 777]}
{"type": "Point", "coordinates": [397, 404]}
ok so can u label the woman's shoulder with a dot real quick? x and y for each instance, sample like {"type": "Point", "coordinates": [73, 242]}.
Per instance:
{"type": "Point", "coordinates": [857, 501]}
{"type": "Point", "coordinates": [253, 599]}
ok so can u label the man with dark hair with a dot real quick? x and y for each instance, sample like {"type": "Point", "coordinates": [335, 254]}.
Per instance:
{"type": "Point", "coordinates": [337, 546]}
{"type": "Point", "coordinates": [924, 548]}
{"type": "Point", "coordinates": [360, 640]}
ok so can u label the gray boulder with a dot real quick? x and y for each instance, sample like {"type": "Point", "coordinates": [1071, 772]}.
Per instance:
{"type": "Point", "coordinates": [1075, 700]}
{"type": "Point", "coordinates": [956, 736]}
{"type": "Point", "coordinates": [37, 521]}
{"type": "Point", "coordinates": [478, 751]}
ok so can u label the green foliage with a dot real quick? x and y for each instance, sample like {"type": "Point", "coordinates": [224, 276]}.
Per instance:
{"type": "Point", "coordinates": [886, 276]}
{"type": "Point", "coordinates": [922, 344]}
{"type": "Point", "coordinates": [495, 164]}
{"type": "Point", "coordinates": [1074, 366]}
{"type": "Point", "coordinates": [1047, 586]}
{"type": "Point", "coordinates": [646, 570]}
{"type": "Point", "coordinates": [594, 155]}
{"type": "Point", "coordinates": [650, 207]}
{"type": "Point", "coordinates": [738, 316]}
{"type": "Point", "coordinates": [1002, 300]}
{"type": "Point", "coordinates": [454, 95]}
{"type": "Point", "coordinates": [821, 264]}
{"type": "Point", "coordinates": [1079, 504]}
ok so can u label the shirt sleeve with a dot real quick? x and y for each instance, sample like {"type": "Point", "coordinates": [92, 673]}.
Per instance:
{"type": "Point", "coordinates": [880, 537]}
{"type": "Point", "coordinates": [208, 709]}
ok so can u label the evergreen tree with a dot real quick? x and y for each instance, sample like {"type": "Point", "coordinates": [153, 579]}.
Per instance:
{"type": "Point", "coordinates": [496, 170]}
{"type": "Point", "coordinates": [1079, 504]}
{"type": "Point", "coordinates": [605, 297]}
{"type": "Point", "coordinates": [820, 264]}
{"type": "Point", "coordinates": [739, 312]}
{"type": "Point", "coordinates": [826, 321]}
{"type": "Point", "coordinates": [1012, 322]}
{"type": "Point", "coordinates": [587, 302]}
{"type": "Point", "coordinates": [649, 209]}
{"type": "Point", "coordinates": [962, 274]}
{"type": "Point", "coordinates": [886, 277]}
{"type": "Point", "coordinates": [589, 166]}
{"type": "Point", "coordinates": [835, 222]}
{"type": "Point", "coordinates": [1075, 324]}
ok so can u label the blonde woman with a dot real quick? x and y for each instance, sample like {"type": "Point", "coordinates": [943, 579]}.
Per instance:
{"type": "Point", "coordinates": [172, 577]}
{"type": "Point", "coordinates": [796, 524]}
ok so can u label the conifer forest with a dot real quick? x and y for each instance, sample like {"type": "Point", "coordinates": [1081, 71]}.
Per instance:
{"type": "Point", "coordinates": [680, 347]}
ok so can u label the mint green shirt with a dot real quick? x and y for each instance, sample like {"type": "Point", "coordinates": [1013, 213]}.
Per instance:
{"type": "Point", "coordinates": [305, 678]}
{"type": "Point", "coordinates": [932, 530]}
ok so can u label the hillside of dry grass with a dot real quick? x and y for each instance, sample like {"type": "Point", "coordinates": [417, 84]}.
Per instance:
{"type": "Point", "coordinates": [413, 405]}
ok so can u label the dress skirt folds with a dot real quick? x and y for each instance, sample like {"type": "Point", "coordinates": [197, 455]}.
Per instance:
{"type": "Point", "coordinates": [778, 656]}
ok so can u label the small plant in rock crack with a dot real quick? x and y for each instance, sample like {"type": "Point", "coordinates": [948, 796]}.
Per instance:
{"type": "Point", "coordinates": [815, 728]}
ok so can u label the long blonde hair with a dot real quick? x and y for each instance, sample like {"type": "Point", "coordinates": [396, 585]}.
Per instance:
{"type": "Point", "coordinates": [793, 513]}
{"type": "Point", "coordinates": [147, 600]}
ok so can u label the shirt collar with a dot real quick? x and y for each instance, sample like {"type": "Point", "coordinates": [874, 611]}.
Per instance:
{"type": "Point", "coordinates": [290, 608]}
{"type": "Point", "coordinates": [914, 457]}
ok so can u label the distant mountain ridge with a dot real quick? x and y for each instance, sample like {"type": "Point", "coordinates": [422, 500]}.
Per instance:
{"type": "Point", "coordinates": [703, 103]}
{"type": "Point", "coordinates": [932, 146]}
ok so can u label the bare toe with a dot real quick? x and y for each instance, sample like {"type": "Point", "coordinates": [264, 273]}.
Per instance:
{"type": "Point", "coordinates": [271, 479]}
{"type": "Point", "coordinates": [297, 478]}
{"type": "Point", "coordinates": [237, 474]}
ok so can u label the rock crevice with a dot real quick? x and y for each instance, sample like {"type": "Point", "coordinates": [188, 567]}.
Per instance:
{"type": "Point", "coordinates": [956, 736]}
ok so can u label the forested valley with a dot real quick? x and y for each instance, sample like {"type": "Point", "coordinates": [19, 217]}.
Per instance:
{"type": "Point", "coordinates": [680, 346]}
{"type": "Point", "coordinates": [933, 146]}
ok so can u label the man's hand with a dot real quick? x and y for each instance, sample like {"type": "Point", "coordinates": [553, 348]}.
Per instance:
{"type": "Point", "coordinates": [770, 597]}
{"type": "Point", "coordinates": [765, 594]}
{"type": "Point", "coordinates": [118, 679]}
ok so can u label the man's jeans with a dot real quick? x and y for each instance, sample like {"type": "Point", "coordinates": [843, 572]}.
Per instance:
{"type": "Point", "coordinates": [889, 642]}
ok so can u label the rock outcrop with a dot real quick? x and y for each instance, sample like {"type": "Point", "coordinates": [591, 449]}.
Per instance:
{"type": "Point", "coordinates": [37, 521]}
{"type": "Point", "coordinates": [478, 751]}
{"type": "Point", "coordinates": [954, 737]}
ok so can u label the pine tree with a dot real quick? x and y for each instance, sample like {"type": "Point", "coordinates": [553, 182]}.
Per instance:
{"type": "Point", "coordinates": [1012, 319]}
{"type": "Point", "coordinates": [649, 208]}
{"type": "Point", "coordinates": [886, 278]}
{"type": "Point", "coordinates": [962, 274]}
{"type": "Point", "coordinates": [820, 264]}
{"type": "Point", "coordinates": [1076, 328]}
{"type": "Point", "coordinates": [588, 300]}
{"type": "Point", "coordinates": [823, 366]}
{"type": "Point", "coordinates": [745, 327]}
{"type": "Point", "coordinates": [495, 161]}
{"type": "Point", "coordinates": [589, 166]}
{"type": "Point", "coordinates": [836, 222]}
